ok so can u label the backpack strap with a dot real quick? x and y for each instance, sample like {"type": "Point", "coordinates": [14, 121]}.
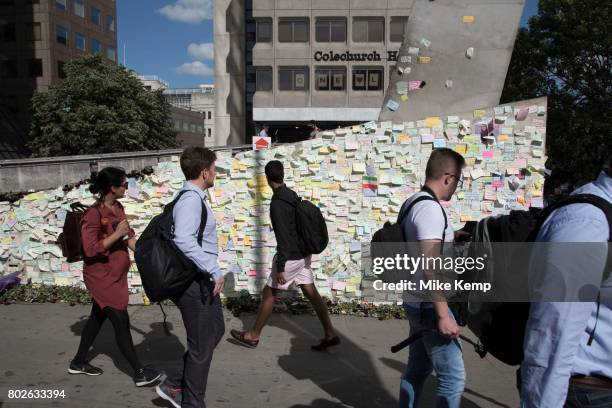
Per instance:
{"type": "Point", "coordinates": [601, 203]}
{"type": "Point", "coordinates": [203, 217]}
{"type": "Point", "coordinates": [431, 196]}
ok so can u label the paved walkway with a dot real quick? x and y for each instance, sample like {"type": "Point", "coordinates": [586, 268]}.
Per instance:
{"type": "Point", "coordinates": [37, 342]}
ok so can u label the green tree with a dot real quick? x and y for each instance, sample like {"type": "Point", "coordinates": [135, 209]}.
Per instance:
{"type": "Point", "coordinates": [99, 108]}
{"type": "Point", "coordinates": [564, 54]}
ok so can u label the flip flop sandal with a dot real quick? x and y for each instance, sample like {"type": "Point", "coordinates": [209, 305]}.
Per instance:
{"type": "Point", "coordinates": [239, 337]}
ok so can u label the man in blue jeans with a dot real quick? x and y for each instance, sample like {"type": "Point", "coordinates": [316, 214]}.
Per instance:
{"type": "Point", "coordinates": [439, 349]}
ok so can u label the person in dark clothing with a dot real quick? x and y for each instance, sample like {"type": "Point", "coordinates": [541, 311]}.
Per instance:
{"type": "Point", "coordinates": [291, 265]}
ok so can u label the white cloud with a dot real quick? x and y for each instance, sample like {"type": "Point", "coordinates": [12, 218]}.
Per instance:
{"type": "Point", "coordinates": [201, 52]}
{"type": "Point", "coordinates": [195, 68]}
{"type": "Point", "coordinates": [188, 11]}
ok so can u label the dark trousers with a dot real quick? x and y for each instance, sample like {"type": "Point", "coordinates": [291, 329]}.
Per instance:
{"type": "Point", "coordinates": [204, 326]}
{"type": "Point", "coordinates": [582, 396]}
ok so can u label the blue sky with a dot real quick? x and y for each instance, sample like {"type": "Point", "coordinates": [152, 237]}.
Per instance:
{"type": "Point", "coordinates": [173, 38]}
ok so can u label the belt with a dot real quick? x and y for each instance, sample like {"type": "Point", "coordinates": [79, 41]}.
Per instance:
{"type": "Point", "coordinates": [598, 382]}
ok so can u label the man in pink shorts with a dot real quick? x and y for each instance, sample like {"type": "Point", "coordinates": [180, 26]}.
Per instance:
{"type": "Point", "coordinates": [291, 265]}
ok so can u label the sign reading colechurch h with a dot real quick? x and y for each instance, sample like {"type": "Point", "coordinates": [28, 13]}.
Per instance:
{"type": "Point", "coordinates": [353, 56]}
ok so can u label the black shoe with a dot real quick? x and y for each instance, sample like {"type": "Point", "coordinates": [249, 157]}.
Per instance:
{"type": "Point", "coordinates": [170, 394]}
{"type": "Point", "coordinates": [84, 368]}
{"type": "Point", "coordinates": [146, 376]}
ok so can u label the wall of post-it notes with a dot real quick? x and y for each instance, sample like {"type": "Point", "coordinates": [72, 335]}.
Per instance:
{"type": "Point", "coordinates": [358, 176]}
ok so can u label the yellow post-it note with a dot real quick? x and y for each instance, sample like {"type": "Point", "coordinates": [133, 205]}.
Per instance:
{"type": "Point", "coordinates": [357, 129]}
{"type": "Point", "coordinates": [424, 60]}
{"type": "Point", "coordinates": [479, 113]}
{"type": "Point", "coordinates": [432, 121]}
{"type": "Point", "coordinates": [503, 138]}
{"type": "Point", "coordinates": [404, 98]}
{"type": "Point", "coordinates": [468, 19]}
{"type": "Point", "coordinates": [461, 148]}
{"type": "Point", "coordinates": [465, 217]}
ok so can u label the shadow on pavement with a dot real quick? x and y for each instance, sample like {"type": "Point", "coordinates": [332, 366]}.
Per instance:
{"type": "Point", "coordinates": [156, 350]}
{"type": "Point", "coordinates": [346, 372]}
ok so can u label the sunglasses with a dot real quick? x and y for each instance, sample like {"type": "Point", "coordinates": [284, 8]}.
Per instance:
{"type": "Point", "coordinates": [459, 180]}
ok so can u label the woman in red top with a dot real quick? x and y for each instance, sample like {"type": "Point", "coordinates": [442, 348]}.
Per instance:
{"type": "Point", "coordinates": [106, 237]}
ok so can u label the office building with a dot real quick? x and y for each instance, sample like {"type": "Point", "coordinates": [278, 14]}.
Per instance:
{"type": "Point", "coordinates": [37, 37]}
{"type": "Point", "coordinates": [323, 60]}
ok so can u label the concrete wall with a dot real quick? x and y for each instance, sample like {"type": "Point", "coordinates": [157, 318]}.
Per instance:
{"type": "Point", "coordinates": [230, 75]}
{"type": "Point", "coordinates": [45, 173]}
{"type": "Point", "coordinates": [451, 27]}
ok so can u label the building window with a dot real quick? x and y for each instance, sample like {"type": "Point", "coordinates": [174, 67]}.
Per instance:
{"type": "Point", "coordinates": [368, 29]}
{"type": "Point", "coordinates": [209, 131]}
{"type": "Point", "coordinates": [177, 125]}
{"type": "Point", "coordinates": [293, 30]}
{"type": "Point", "coordinates": [61, 72]}
{"type": "Point", "coordinates": [33, 32]}
{"type": "Point", "coordinates": [330, 78]}
{"type": "Point", "coordinates": [61, 35]}
{"type": "Point", "coordinates": [96, 16]}
{"type": "Point", "coordinates": [368, 78]}
{"type": "Point", "coordinates": [8, 69]}
{"type": "Point", "coordinates": [7, 33]}
{"type": "Point", "coordinates": [185, 127]}
{"type": "Point", "coordinates": [263, 79]}
{"type": "Point", "coordinates": [330, 29]}
{"type": "Point", "coordinates": [80, 41]}
{"type": "Point", "coordinates": [35, 68]}
{"type": "Point", "coordinates": [263, 30]}
{"type": "Point", "coordinates": [110, 23]}
{"type": "Point", "coordinates": [192, 127]}
{"type": "Point", "coordinates": [293, 78]}
{"type": "Point", "coordinates": [397, 29]}
{"type": "Point", "coordinates": [209, 115]}
{"type": "Point", "coordinates": [96, 47]}
{"type": "Point", "coordinates": [110, 53]}
{"type": "Point", "coordinates": [79, 8]}
{"type": "Point", "coordinates": [200, 129]}
{"type": "Point", "coordinates": [60, 4]}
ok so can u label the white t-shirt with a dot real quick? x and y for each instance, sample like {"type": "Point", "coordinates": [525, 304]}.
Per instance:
{"type": "Point", "coordinates": [425, 221]}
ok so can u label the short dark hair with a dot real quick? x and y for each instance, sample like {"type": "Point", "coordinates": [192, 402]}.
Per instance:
{"type": "Point", "coordinates": [443, 160]}
{"type": "Point", "coordinates": [195, 159]}
{"type": "Point", "coordinates": [102, 181]}
{"type": "Point", "coordinates": [275, 171]}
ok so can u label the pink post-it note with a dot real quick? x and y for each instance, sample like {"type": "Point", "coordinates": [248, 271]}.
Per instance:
{"type": "Point", "coordinates": [338, 285]}
{"type": "Point", "coordinates": [252, 272]}
{"type": "Point", "coordinates": [498, 183]}
{"type": "Point", "coordinates": [487, 154]}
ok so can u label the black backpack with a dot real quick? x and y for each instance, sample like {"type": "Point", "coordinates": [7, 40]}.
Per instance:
{"type": "Point", "coordinates": [311, 227]}
{"type": "Point", "coordinates": [165, 271]}
{"type": "Point", "coordinates": [500, 327]}
{"type": "Point", "coordinates": [395, 232]}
